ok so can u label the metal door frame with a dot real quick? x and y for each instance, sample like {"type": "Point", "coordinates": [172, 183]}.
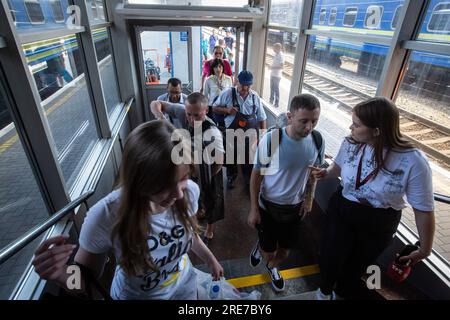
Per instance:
{"type": "Point", "coordinates": [138, 29]}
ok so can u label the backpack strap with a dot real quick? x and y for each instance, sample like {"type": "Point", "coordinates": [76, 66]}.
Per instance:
{"type": "Point", "coordinates": [234, 96]}
{"type": "Point", "coordinates": [318, 141]}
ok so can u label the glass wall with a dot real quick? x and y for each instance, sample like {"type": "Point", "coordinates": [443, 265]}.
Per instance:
{"type": "Point", "coordinates": [280, 50]}
{"type": "Point", "coordinates": [58, 72]}
{"type": "Point", "coordinates": [436, 25]}
{"type": "Point", "coordinates": [347, 72]}
{"type": "Point", "coordinates": [41, 15]}
{"type": "Point", "coordinates": [106, 68]}
{"type": "Point", "coordinates": [21, 204]}
{"type": "Point", "coordinates": [285, 12]}
{"type": "Point", "coordinates": [279, 62]}
{"type": "Point", "coordinates": [213, 3]}
{"type": "Point", "coordinates": [96, 11]}
{"type": "Point", "coordinates": [364, 17]}
{"type": "Point", "coordinates": [164, 54]}
{"type": "Point", "coordinates": [425, 91]}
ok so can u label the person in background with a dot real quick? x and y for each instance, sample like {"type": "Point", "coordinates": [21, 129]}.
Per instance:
{"type": "Point", "coordinates": [229, 40]}
{"type": "Point", "coordinates": [214, 85]}
{"type": "Point", "coordinates": [276, 72]}
{"type": "Point", "coordinates": [213, 38]}
{"type": "Point", "coordinates": [148, 223]}
{"type": "Point", "coordinates": [218, 54]}
{"type": "Point", "coordinates": [379, 170]}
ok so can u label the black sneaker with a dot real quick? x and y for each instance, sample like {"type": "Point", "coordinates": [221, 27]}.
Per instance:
{"type": "Point", "coordinates": [277, 280]}
{"type": "Point", "coordinates": [255, 256]}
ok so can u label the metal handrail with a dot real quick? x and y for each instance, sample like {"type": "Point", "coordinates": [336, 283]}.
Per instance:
{"type": "Point", "coordinates": [35, 232]}
{"type": "Point", "coordinates": [442, 198]}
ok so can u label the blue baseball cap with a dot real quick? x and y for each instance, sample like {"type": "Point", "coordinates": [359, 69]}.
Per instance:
{"type": "Point", "coordinates": [245, 78]}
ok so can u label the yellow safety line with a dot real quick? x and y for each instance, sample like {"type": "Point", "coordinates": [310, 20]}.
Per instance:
{"type": "Point", "coordinates": [8, 143]}
{"type": "Point", "coordinates": [264, 278]}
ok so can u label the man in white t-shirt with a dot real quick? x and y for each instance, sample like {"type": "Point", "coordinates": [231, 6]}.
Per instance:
{"type": "Point", "coordinates": [277, 189]}
{"type": "Point", "coordinates": [276, 72]}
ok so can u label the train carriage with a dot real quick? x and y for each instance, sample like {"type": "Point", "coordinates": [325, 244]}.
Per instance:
{"type": "Point", "coordinates": [377, 18]}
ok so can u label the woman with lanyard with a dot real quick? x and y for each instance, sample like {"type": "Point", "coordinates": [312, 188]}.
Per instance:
{"type": "Point", "coordinates": [214, 85]}
{"type": "Point", "coordinates": [378, 168]}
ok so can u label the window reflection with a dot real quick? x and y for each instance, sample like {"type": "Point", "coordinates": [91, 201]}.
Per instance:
{"type": "Point", "coordinates": [279, 59]}
{"type": "Point", "coordinates": [106, 68]}
{"type": "Point", "coordinates": [285, 12]}
{"type": "Point", "coordinates": [57, 68]}
{"type": "Point", "coordinates": [39, 14]}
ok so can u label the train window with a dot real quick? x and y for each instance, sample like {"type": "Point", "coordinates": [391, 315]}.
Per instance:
{"type": "Point", "coordinates": [395, 18]}
{"type": "Point", "coordinates": [373, 17]}
{"type": "Point", "coordinates": [350, 16]}
{"type": "Point", "coordinates": [58, 13]}
{"type": "Point", "coordinates": [106, 68]}
{"type": "Point", "coordinates": [333, 15]}
{"type": "Point", "coordinates": [323, 16]}
{"type": "Point", "coordinates": [440, 19]}
{"type": "Point", "coordinates": [34, 11]}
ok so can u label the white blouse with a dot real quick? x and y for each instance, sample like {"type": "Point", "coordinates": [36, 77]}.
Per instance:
{"type": "Point", "coordinates": [213, 87]}
{"type": "Point", "coordinates": [407, 178]}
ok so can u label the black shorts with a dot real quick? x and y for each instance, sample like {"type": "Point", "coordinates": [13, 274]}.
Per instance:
{"type": "Point", "coordinates": [273, 234]}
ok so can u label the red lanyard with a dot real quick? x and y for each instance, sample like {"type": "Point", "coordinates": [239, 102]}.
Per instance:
{"type": "Point", "coordinates": [360, 183]}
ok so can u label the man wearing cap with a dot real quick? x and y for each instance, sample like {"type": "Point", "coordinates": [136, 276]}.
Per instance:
{"type": "Point", "coordinates": [243, 109]}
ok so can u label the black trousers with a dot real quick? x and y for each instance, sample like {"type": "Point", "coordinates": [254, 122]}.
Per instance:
{"type": "Point", "coordinates": [354, 236]}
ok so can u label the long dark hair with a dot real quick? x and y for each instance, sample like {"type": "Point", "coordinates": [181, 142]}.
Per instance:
{"type": "Point", "coordinates": [382, 114]}
{"type": "Point", "coordinates": [146, 170]}
{"type": "Point", "coordinates": [215, 63]}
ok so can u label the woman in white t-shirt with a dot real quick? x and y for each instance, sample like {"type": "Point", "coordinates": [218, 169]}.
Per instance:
{"type": "Point", "coordinates": [148, 223]}
{"type": "Point", "coordinates": [380, 171]}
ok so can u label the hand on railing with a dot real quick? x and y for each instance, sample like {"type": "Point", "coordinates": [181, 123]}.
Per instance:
{"type": "Point", "coordinates": [51, 257]}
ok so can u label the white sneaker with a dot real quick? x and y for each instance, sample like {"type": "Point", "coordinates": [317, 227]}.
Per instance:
{"type": "Point", "coordinates": [321, 296]}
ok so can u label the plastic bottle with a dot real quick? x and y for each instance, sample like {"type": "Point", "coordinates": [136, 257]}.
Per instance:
{"type": "Point", "coordinates": [215, 290]}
